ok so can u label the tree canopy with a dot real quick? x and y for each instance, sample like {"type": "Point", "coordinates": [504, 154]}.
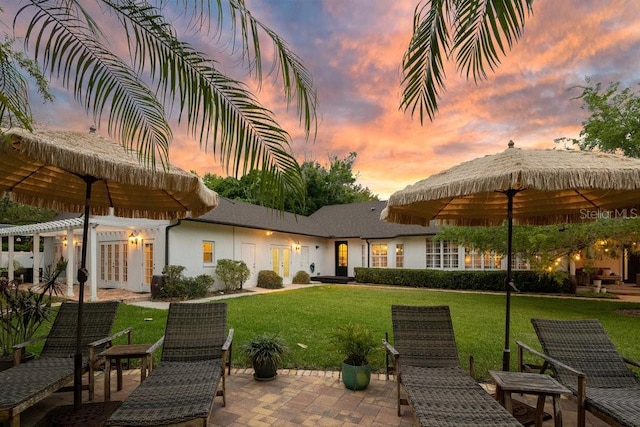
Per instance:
{"type": "Point", "coordinates": [613, 125]}
{"type": "Point", "coordinates": [323, 187]}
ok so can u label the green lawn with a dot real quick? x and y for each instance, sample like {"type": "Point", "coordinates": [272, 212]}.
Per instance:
{"type": "Point", "coordinates": [307, 316]}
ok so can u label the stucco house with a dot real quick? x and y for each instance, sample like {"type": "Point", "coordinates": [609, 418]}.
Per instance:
{"type": "Point", "coordinates": [126, 253]}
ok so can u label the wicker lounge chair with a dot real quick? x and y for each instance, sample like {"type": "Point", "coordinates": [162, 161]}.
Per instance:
{"type": "Point", "coordinates": [25, 384]}
{"type": "Point", "coordinates": [426, 364]}
{"type": "Point", "coordinates": [585, 360]}
{"type": "Point", "coordinates": [182, 388]}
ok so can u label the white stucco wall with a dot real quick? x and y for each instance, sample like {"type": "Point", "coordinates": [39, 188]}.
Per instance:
{"type": "Point", "coordinates": [255, 247]}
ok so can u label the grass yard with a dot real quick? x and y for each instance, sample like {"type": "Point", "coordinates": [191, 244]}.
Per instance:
{"type": "Point", "coordinates": [307, 316]}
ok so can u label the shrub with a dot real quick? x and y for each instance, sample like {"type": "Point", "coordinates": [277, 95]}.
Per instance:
{"type": "Point", "coordinates": [301, 278]}
{"type": "Point", "coordinates": [269, 279]}
{"type": "Point", "coordinates": [197, 287]}
{"type": "Point", "coordinates": [525, 280]}
{"type": "Point", "coordinates": [176, 286]}
{"type": "Point", "coordinates": [232, 273]}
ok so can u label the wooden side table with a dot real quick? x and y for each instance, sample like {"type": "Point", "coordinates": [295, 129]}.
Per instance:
{"type": "Point", "coordinates": [541, 385]}
{"type": "Point", "coordinates": [116, 353]}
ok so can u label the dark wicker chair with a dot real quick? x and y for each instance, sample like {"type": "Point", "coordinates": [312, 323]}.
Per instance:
{"type": "Point", "coordinates": [25, 384]}
{"type": "Point", "coordinates": [585, 360]}
{"type": "Point", "coordinates": [182, 388]}
{"type": "Point", "coordinates": [426, 364]}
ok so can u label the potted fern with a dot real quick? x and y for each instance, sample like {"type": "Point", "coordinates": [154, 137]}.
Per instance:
{"type": "Point", "coordinates": [355, 342]}
{"type": "Point", "coordinates": [265, 353]}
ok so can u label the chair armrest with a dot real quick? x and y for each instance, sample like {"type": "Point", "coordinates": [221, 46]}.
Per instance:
{"type": "Point", "coordinates": [110, 338]}
{"type": "Point", "coordinates": [229, 341]}
{"type": "Point", "coordinates": [631, 362]}
{"type": "Point", "coordinates": [155, 345]}
{"type": "Point", "coordinates": [390, 349]}
{"type": "Point", "coordinates": [19, 349]}
{"type": "Point", "coordinates": [550, 359]}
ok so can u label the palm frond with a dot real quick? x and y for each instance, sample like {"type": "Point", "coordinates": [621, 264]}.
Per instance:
{"type": "Point", "coordinates": [220, 112]}
{"type": "Point", "coordinates": [422, 63]}
{"type": "Point", "coordinates": [482, 32]}
{"type": "Point", "coordinates": [296, 79]}
{"type": "Point", "coordinates": [14, 90]}
{"type": "Point", "coordinates": [14, 95]}
{"type": "Point", "coordinates": [69, 49]}
{"type": "Point", "coordinates": [485, 30]}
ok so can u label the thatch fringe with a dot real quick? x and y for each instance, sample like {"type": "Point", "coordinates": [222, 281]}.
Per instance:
{"type": "Point", "coordinates": [44, 169]}
{"type": "Point", "coordinates": [561, 181]}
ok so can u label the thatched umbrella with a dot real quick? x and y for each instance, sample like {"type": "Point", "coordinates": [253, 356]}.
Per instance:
{"type": "Point", "coordinates": [531, 186]}
{"type": "Point", "coordinates": [84, 172]}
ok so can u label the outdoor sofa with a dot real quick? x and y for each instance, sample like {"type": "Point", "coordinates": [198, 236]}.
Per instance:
{"type": "Point", "coordinates": [425, 360]}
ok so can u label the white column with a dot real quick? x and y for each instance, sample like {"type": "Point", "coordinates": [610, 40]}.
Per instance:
{"type": "Point", "coordinates": [93, 260]}
{"type": "Point", "coordinates": [1, 251]}
{"type": "Point", "coordinates": [36, 259]}
{"type": "Point", "coordinates": [70, 263]}
{"type": "Point", "coordinates": [10, 262]}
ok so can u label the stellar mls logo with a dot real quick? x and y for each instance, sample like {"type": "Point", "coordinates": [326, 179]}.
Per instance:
{"type": "Point", "coordinates": [610, 214]}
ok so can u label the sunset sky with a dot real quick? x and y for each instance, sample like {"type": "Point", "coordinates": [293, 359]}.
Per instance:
{"type": "Point", "coordinates": [354, 48]}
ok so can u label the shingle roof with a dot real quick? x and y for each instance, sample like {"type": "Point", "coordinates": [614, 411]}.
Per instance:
{"type": "Point", "coordinates": [236, 213]}
{"type": "Point", "coordinates": [355, 220]}
{"type": "Point", "coordinates": [362, 220]}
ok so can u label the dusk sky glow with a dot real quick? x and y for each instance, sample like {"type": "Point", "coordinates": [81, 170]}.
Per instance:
{"type": "Point", "coordinates": [354, 48]}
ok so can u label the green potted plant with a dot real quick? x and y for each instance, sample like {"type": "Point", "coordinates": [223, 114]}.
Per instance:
{"type": "Point", "coordinates": [265, 353]}
{"type": "Point", "coordinates": [22, 312]}
{"type": "Point", "coordinates": [355, 342]}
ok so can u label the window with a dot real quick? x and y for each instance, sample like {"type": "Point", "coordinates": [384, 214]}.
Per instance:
{"type": "Point", "coordinates": [379, 255]}
{"type": "Point", "coordinates": [207, 252]}
{"type": "Point", "coordinates": [441, 255]}
{"type": "Point", "coordinates": [519, 263]}
{"type": "Point", "coordinates": [474, 260]}
{"type": "Point", "coordinates": [399, 255]}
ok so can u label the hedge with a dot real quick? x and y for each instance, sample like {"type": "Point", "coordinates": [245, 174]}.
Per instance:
{"type": "Point", "coordinates": [524, 280]}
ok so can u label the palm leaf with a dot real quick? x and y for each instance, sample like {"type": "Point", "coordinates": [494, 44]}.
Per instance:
{"type": "Point", "coordinates": [70, 49]}
{"type": "Point", "coordinates": [221, 112]}
{"type": "Point", "coordinates": [482, 30]}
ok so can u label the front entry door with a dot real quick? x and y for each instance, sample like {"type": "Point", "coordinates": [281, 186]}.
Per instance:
{"type": "Point", "coordinates": [342, 258]}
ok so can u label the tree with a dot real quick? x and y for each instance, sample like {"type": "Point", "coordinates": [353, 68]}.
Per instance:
{"type": "Point", "coordinates": [333, 186]}
{"type": "Point", "coordinates": [162, 74]}
{"type": "Point", "coordinates": [614, 122]}
{"type": "Point", "coordinates": [475, 33]}
{"type": "Point", "coordinates": [18, 214]}
{"type": "Point", "coordinates": [543, 245]}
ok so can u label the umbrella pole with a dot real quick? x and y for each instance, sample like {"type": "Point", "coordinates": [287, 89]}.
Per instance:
{"type": "Point", "coordinates": [508, 283]}
{"type": "Point", "coordinates": [83, 275]}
